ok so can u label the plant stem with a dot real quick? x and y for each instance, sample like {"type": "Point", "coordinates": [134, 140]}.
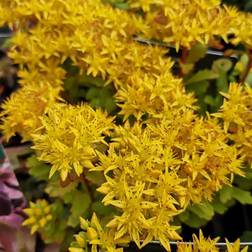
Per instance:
{"type": "Point", "coordinates": [184, 55]}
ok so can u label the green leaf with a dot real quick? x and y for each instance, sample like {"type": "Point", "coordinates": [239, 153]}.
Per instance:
{"type": "Point", "coordinates": [249, 79]}
{"type": "Point", "coordinates": [54, 189]}
{"type": "Point", "coordinates": [122, 6]}
{"type": "Point", "coordinates": [80, 205]}
{"type": "Point", "coordinates": [219, 207]}
{"type": "Point", "coordinates": [198, 88]}
{"type": "Point", "coordinates": [202, 105]}
{"type": "Point", "coordinates": [92, 93]}
{"type": "Point", "coordinates": [246, 236]}
{"type": "Point", "coordinates": [222, 82]}
{"type": "Point", "coordinates": [102, 210]}
{"type": "Point", "coordinates": [110, 104]}
{"type": "Point", "coordinates": [55, 230]}
{"type": "Point", "coordinates": [201, 76]}
{"type": "Point", "coordinates": [222, 65]}
{"type": "Point", "coordinates": [96, 178]}
{"type": "Point", "coordinates": [244, 59]}
{"type": "Point", "coordinates": [195, 221]}
{"type": "Point", "coordinates": [69, 82]}
{"type": "Point", "coordinates": [197, 52]}
{"type": "Point", "coordinates": [204, 210]}
{"type": "Point", "coordinates": [184, 216]}
{"type": "Point", "coordinates": [89, 81]}
{"type": "Point", "coordinates": [248, 173]}
{"type": "Point", "coordinates": [243, 182]}
{"type": "Point", "coordinates": [38, 169]}
{"type": "Point", "coordinates": [226, 194]}
{"type": "Point", "coordinates": [101, 97]}
{"type": "Point", "coordinates": [7, 43]}
{"type": "Point", "coordinates": [70, 68]}
{"type": "Point", "coordinates": [244, 197]}
{"type": "Point", "coordinates": [214, 102]}
{"type": "Point", "coordinates": [209, 100]}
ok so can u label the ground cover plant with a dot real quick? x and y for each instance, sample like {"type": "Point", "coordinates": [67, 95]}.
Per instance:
{"type": "Point", "coordinates": [122, 135]}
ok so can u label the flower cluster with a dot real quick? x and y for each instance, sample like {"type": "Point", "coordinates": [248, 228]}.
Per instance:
{"type": "Point", "coordinates": [21, 112]}
{"type": "Point", "coordinates": [155, 164]}
{"type": "Point", "coordinates": [49, 34]}
{"type": "Point", "coordinates": [151, 176]}
{"type": "Point", "coordinates": [39, 215]}
{"type": "Point", "coordinates": [100, 237]}
{"type": "Point", "coordinates": [236, 113]}
{"type": "Point", "coordinates": [96, 234]}
{"type": "Point", "coordinates": [185, 22]}
{"type": "Point", "coordinates": [153, 95]}
{"type": "Point", "coordinates": [201, 244]}
{"type": "Point", "coordinates": [70, 137]}
{"type": "Point", "coordinates": [58, 30]}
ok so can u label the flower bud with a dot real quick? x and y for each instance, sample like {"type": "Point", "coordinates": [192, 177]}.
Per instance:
{"type": "Point", "coordinates": [91, 233]}
{"type": "Point", "coordinates": [83, 223]}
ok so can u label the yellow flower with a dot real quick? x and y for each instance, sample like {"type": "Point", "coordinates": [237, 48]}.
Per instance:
{"type": "Point", "coordinates": [70, 136]}
{"type": "Point", "coordinates": [21, 112]}
{"type": "Point", "coordinates": [184, 23]}
{"type": "Point", "coordinates": [235, 247]}
{"type": "Point", "coordinates": [151, 176]}
{"type": "Point", "coordinates": [170, 157]}
{"type": "Point", "coordinates": [236, 116]}
{"type": "Point", "coordinates": [183, 247]}
{"type": "Point", "coordinates": [153, 95]}
{"type": "Point", "coordinates": [98, 237]}
{"type": "Point", "coordinates": [39, 215]}
{"type": "Point", "coordinates": [204, 245]}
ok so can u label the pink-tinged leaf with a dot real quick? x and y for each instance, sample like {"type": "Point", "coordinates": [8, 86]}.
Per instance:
{"type": "Point", "coordinates": [8, 238]}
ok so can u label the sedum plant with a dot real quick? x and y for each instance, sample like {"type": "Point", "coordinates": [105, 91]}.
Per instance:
{"type": "Point", "coordinates": [141, 163]}
{"type": "Point", "coordinates": [101, 241]}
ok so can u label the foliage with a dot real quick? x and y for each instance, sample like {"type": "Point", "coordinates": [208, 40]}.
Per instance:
{"type": "Point", "coordinates": [161, 153]}
{"type": "Point", "coordinates": [242, 4]}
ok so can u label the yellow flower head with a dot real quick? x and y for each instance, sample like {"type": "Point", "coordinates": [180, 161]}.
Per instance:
{"type": "Point", "coordinates": [154, 95]}
{"type": "Point", "coordinates": [70, 136]}
{"type": "Point", "coordinates": [203, 244]}
{"type": "Point", "coordinates": [48, 33]}
{"type": "Point", "coordinates": [22, 111]}
{"type": "Point", "coordinates": [153, 171]}
{"type": "Point", "coordinates": [236, 113]}
{"type": "Point", "coordinates": [39, 215]}
{"type": "Point", "coordinates": [99, 237]}
{"type": "Point", "coordinates": [185, 22]}
{"type": "Point", "coordinates": [235, 247]}
{"type": "Point", "coordinates": [200, 244]}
